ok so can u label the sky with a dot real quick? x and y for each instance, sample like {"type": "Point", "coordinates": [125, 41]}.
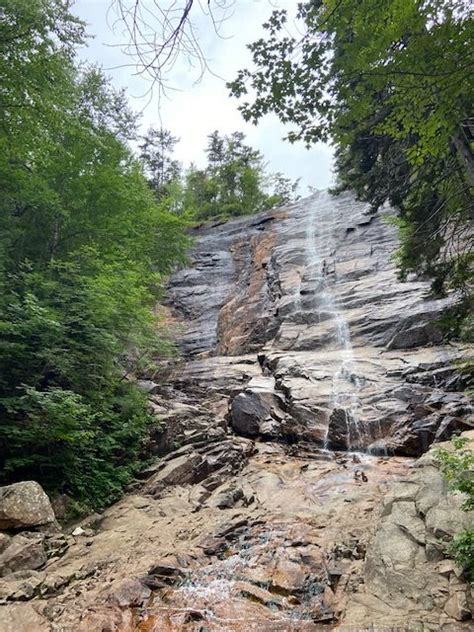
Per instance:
{"type": "Point", "coordinates": [193, 109]}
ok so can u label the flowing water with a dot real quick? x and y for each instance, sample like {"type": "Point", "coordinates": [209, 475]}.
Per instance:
{"type": "Point", "coordinates": [215, 591]}
{"type": "Point", "coordinates": [321, 274]}
{"type": "Point", "coordinates": [248, 568]}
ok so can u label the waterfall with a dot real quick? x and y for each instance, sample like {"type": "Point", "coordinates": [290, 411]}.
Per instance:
{"type": "Point", "coordinates": [320, 251]}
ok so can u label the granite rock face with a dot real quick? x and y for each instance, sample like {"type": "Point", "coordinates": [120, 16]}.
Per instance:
{"type": "Point", "coordinates": [405, 570]}
{"type": "Point", "coordinates": [309, 296]}
{"type": "Point", "coordinates": [285, 495]}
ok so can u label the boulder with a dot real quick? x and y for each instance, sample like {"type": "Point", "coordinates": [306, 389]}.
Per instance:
{"type": "Point", "coordinates": [338, 430]}
{"type": "Point", "coordinates": [248, 412]}
{"type": "Point", "coordinates": [345, 432]}
{"type": "Point", "coordinates": [413, 435]}
{"type": "Point", "coordinates": [26, 551]}
{"type": "Point", "coordinates": [24, 505]}
{"type": "Point", "coordinates": [258, 410]}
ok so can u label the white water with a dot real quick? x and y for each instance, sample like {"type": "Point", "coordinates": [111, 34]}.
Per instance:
{"type": "Point", "coordinates": [215, 585]}
{"type": "Point", "coordinates": [320, 269]}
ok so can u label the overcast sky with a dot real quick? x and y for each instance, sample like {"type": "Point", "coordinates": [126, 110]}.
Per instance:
{"type": "Point", "coordinates": [192, 111]}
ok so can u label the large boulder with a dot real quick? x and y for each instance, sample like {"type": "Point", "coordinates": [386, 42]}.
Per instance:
{"type": "Point", "coordinates": [24, 505]}
{"type": "Point", "coordinates": [258, 410]}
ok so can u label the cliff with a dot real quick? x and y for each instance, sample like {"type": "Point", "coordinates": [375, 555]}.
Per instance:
{"type": "Point", "coordinates": [308, 301]}
{"type": "Point", "coordinates": [287, 496]}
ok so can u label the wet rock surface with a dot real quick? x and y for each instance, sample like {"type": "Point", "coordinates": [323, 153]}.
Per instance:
{"type": "Point", "coordinates": [285, 494]}
{"type": "Point", "coordinates": [307, 541]}
{"type": "Point", "coordinates": [313, 302]}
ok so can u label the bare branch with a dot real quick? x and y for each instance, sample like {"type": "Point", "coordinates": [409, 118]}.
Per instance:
{"type": "Point", "coordinates": [158, 34]}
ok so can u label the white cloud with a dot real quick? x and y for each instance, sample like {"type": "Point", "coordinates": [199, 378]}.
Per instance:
{"type": "Point", "coordinates": [191, 112]}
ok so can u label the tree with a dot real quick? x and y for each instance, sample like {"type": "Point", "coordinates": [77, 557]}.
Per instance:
{"type": "Point", "coordinates": [215, 149]}
{"type": "Point", "coordinates": [234, 182]}
{"type": "Point", "coordinates": [156, 153]}
{"type": "Point", "coordinates": [391, 84]}
{"type": "Point", "coordinates": [284, 190]}
{"type": "Point", "coordinates": [83, 248]}
{"type": "Point", "coordinates": [161, 33]}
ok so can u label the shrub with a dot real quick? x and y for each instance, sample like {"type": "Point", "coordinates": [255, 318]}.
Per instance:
{"type": "Point", "coordinates": [457, 466]}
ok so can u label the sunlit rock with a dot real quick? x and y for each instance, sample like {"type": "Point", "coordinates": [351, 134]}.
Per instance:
{"type": "Point", "coordinates": [24, 505]}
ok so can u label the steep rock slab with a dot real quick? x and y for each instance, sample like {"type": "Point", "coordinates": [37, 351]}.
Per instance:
{"type": "Point", "coordinates": [248, 318]}
{"type": "Point", "coordinates": [312, 291]}
{"type": "Point", "coordinates": [284, 549]}
{"type": "Point", "coordinates": [305, 543]}
{"type": "Point", "coordinates": [227, 295]}
{"type": "Point", "coordinates": [222, 532]}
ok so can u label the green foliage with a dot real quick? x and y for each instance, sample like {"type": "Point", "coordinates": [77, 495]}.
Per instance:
{"type": "Point", "coordinates": [457, 466]}
{"type": "Point", "coordinates": [89, 449]}
{"type": "Point", "coordinates": [458, 321]}
{"type": "Point", "coordinates": [462, 550]}
{"type": "Point", "coordinates": [234, 182]}
{"type": "Point", "coordinates": [83, 249]}
{"type": "Point", "coordinates": [284, 190]}
{"type": "Point", "coordinates": [391, 84]}
{"type": "Point", "coordinates": [156, 155]}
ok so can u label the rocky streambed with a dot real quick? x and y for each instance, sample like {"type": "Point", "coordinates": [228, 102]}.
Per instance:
{"type": "Point", "coordinates": [289, 492]}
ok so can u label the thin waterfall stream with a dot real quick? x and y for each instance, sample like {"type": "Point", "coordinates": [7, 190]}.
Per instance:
{"type": "Point", "coordinates": [320, 253]}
